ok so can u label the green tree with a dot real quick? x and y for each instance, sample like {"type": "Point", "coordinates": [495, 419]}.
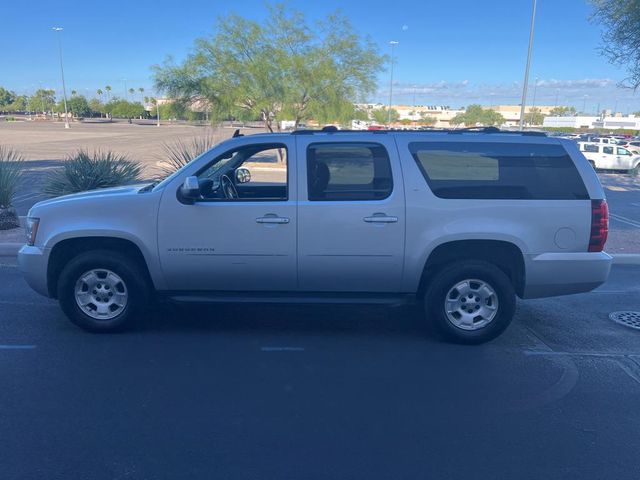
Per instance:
{"type": "Point", "coordinates": [534, 117]}
{"type": "Point", "coordinates": [562, 111]}
{"type": "Point", "coordinates": [141, 90]}
{"type": "Point", "coordinates": [6, 98]}
{"type": "Point", "coordinates": [476, 115]}
{"type": "Point", "coordinates": [96, 107]}
{"type": "Point", "coordinates": [78, 106]}
{"type": "Point", "coordinates": [124, 109]}
{"type": "Point", "coordinates": [173, 111]}
{"type": "Point", "coordinates": [43, 100]}
{"type": "Point", "coordinates": [280, 69]}
{"type": "Point", "coordinates": [381, 115]}
{"type": "Point", "coordinates": [19, 104]}
{"type": "Point", "coordinates": [426, 119]}
{"type": "Point", "coordinates": [621, 35]}
{"type": "Point", "coordinates": [107, 89]}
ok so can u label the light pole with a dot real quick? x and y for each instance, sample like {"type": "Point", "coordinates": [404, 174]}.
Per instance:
{"type": "Point", "coordinates": [526, 71]}
{"type": "Point", "coordinates": [535, 89]}
{"type": "Point", "coordinates": [64, 89]}
{"type": "Point", "coordinates": [158, 112]}
{"type": "Point", "coordinates": [584, 104]}
{"type": "Point", "coordinates": [557, 94]}
{"type": "Point", "coordinates": [393, 43]}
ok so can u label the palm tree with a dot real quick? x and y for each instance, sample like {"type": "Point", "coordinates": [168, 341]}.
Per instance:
{"type": "Point", "coordinates": [73, 93]}
{"type": "Point", "coordinates": [131, 92]}
{"type": "Point", "coordinates": [108, 89]}
{"type": "Point", "coordinates": [141, 90]}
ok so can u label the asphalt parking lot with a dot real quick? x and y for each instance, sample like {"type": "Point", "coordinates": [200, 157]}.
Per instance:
{"type": "Point", "coordinates": [320, 392]}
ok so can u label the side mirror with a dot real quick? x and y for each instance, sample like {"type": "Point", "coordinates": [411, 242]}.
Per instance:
{"type": "Point", "coordinates": [243, 175]}
{"type": "Point", "coordinates": [190, 190]}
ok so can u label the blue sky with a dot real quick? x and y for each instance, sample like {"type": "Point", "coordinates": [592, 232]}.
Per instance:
{"type": "Point", "coordinates": [451, 52]}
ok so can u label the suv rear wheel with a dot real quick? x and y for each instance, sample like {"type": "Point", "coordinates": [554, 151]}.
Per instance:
{"type": "Point", "coordinates": [470, 302]}
{"type": "Point", "coordinates": [101, 290]}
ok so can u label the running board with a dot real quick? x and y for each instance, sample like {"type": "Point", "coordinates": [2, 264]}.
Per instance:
{"type": "Point", "coordinates": [291, 298]}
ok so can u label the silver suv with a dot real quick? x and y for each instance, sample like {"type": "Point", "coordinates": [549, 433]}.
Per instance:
{"type": "Point", "coordinates": [460, 220]}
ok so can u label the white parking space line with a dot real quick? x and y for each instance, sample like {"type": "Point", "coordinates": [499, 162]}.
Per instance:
{"type": "Point", "coordinates": [628, 221]}
{"type": "Point", "coordinates": [282, 349]}
{"type": "Point", "coordinates": [17, 347]}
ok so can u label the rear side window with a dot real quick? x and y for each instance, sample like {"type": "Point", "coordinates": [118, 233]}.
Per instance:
{"type": "Point", "coordinates": [474, 170]}
{"type": "Point", "coordinates": [348, 171]}
{"type": "Point", "coordinates": [607, 150]}
{"type": "Point", "coordinates": [591, 148]}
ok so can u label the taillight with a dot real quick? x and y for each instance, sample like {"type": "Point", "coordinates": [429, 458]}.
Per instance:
{"type": "Point", "coordinates": [599, 225]}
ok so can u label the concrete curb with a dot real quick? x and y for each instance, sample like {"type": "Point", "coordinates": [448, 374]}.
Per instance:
{"type": "Point", "coordinates": [626, 258]}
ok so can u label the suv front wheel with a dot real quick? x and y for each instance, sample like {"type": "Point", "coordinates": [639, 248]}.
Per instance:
{"type": "Point", "coordinates": [101, 290]}
{"type": "Point", "coordinates": [470, 302]}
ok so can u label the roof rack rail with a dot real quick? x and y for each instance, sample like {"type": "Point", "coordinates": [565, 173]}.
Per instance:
{"type": "Point", "coordinates": [453, 131]}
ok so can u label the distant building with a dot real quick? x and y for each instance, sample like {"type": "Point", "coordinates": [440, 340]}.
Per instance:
{"type": "Point", "coordinates": [617, 122]}
{"type": "Point", "coordinates": [570, 122]}
{"type": "Point", "coordinates": [630, 122]}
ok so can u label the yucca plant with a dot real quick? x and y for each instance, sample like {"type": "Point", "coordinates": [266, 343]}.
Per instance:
{"type": "Point", "coordinates": [84, 171]}
{"type": "Point", "coordinates": [11, 170]}
{"type": "Point", "coordinates": [179, 152]}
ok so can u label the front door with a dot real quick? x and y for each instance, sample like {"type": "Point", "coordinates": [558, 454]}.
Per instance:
{"type": "Point", "coordinates": [241, 234]}
{"type": "Point", "coordinates": [351, 214]}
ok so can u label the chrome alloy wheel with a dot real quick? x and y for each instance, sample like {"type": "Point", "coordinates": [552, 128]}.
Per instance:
{"type": "Point", "coordinates": [471, 304]}
{"type": "Point", "coordinates": [101, 294]}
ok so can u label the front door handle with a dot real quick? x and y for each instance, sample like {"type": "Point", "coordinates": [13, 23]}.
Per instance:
{"type": "Point", "coordinates": [272, 218]}
{"type": "Point", "coordinates": [380, 218]}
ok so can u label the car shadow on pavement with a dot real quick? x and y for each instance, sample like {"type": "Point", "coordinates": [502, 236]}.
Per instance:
{"type": "Point", "coordinates": [315, 319]}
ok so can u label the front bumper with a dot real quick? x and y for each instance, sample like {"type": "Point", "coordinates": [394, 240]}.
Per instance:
{"type": "Point", "coordinates": [552, 274]}
{"type": "Point", "coordinates": [33, 262]}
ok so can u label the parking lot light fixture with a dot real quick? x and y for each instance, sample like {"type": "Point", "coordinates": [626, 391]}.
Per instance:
{"type": "Point", "coordinates": [64, 90]}
{"type": "Point", "coordinates": [526, 70]}
{"type": "Point", "coordinates": [393, 43]}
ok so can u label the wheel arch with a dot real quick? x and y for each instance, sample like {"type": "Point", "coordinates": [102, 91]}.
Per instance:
{"type": "Point", "coordinates": [504, 254]}
{"type": "Point", "coordinates": [67, 249]}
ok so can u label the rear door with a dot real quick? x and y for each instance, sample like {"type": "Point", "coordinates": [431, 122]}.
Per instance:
{"type": "Point", "coordinates": [351, 213]}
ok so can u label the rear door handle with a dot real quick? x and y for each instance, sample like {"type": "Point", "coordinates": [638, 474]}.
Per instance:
{"type": "Point", "coordinates": [380, 218]}
{"type": "Point", "coordinates": [270, 218]}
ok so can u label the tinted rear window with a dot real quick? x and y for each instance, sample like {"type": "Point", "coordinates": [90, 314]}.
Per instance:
{"type": "Point", "coordinates": [498, 171]}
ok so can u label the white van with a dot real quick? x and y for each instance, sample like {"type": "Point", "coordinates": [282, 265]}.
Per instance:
{"type": "Point", "coordinates": [609, 157]}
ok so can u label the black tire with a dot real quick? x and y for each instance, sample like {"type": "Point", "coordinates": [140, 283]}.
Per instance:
{"type": "Point", "coordinates": [447, 278]}
{"type": "Point", "coordinates": [126, 268]}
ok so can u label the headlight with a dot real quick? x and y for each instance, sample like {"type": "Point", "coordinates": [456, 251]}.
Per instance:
{"type": "Point", "coordinates": [32, 230]}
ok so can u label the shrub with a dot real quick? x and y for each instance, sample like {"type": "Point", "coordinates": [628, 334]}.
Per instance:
{"type": "Point", "coordinates": [11, 170]}
{"type": "Point", "coordinates": [179, 153]}
{"type": "Point", "coordinates": [84, 171]}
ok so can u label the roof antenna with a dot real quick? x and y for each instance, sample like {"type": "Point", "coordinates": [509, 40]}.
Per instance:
{"type": "Point", "coordinates": [237, 134]}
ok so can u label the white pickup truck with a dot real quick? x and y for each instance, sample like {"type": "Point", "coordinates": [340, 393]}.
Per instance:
{"type": "Point", "coordinates": [609, 157]}
{"type": "Point", "coordinates": [462, 221]}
